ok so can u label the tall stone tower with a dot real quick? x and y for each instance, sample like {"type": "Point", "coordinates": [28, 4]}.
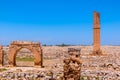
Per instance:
{"type": "Point", "coordinates": [96, 34]}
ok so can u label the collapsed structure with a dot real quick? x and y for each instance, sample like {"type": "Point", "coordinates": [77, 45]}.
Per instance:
{"type": "Point", "coordinates": [72, 65]}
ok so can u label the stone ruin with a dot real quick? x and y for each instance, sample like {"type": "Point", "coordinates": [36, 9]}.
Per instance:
{"type": "Point", "coordinates": [16, 46]}
{"type": "Point", "coordinates": [1, 55]}
{"type": "Point", "coordinates": [36, 49]}
{"type": "Point", "coordinates": [72, 65]}
{"type": "Point", "coordinates": [96, 39]}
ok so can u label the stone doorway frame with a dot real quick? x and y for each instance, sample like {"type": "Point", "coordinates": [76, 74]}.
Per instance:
{"type": "Point", "coordinates": [34, 47]}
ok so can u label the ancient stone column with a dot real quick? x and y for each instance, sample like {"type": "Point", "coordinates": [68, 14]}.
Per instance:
{"type": "Point", "coordinates": [1, 55]}
{"type": "Point", "coordinates": [96, 43]}
{"type": "Point", "coordinates": [72, 65]}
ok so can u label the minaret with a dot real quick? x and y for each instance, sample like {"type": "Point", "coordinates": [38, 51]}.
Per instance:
{"type": "Point", "coordinates": [96, 43]}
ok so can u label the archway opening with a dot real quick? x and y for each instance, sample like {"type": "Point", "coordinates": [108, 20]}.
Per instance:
{"type": "Point", "coordinates": [24, 58]}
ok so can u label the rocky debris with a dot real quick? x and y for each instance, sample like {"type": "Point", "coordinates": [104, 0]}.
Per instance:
{"type": "Point", "coordinates": [93, 67]}
{"type": "Point", "coordinates": [18, 74]}
{"type": "Point", "coordinates": [100, 75]}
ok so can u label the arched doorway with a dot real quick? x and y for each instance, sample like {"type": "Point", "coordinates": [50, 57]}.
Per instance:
{"type": "Point", "coordinates": [34, 47]}
{"type": "Point", "coordinates": [24, 58]}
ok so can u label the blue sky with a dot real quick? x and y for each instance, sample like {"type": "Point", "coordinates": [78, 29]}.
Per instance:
{"type": "Point", "coordinates": [58, 21]}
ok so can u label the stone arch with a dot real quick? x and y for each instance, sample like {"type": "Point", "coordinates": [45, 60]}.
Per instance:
{"type": "Point", "coordinates": [35, 48]}
{"type": "Point", "coordinates": [17, 52]}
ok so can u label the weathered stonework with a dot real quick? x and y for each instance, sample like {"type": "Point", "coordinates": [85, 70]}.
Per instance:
{"type": "Point", "coordinates": [72, 65]}
{"type": "Point", "coordinates": [1, 55]}
{"type": "Point", "coordinates": [35, 48]}
{"type": "Point", "coordinates": [96, 34]}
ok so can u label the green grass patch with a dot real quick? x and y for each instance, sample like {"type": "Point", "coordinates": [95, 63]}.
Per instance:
{"type": "Point", "coordinates": [3, 69]}
{"type": "Point", "coordinates": [30, 59]}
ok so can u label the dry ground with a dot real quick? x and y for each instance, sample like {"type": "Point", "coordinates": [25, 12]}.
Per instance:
{"type": "Point", "coordinates": [54, 55]}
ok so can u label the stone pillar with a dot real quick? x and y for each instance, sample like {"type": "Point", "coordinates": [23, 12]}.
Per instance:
{"type": "Point", "coordinates": [41, 58]}
{"type": "Point", "coordinates": [96, 43]}
{"type": "Point", "coordinates": [72, 65]}
{"type": "Point", "coordinates": [1, 56]}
